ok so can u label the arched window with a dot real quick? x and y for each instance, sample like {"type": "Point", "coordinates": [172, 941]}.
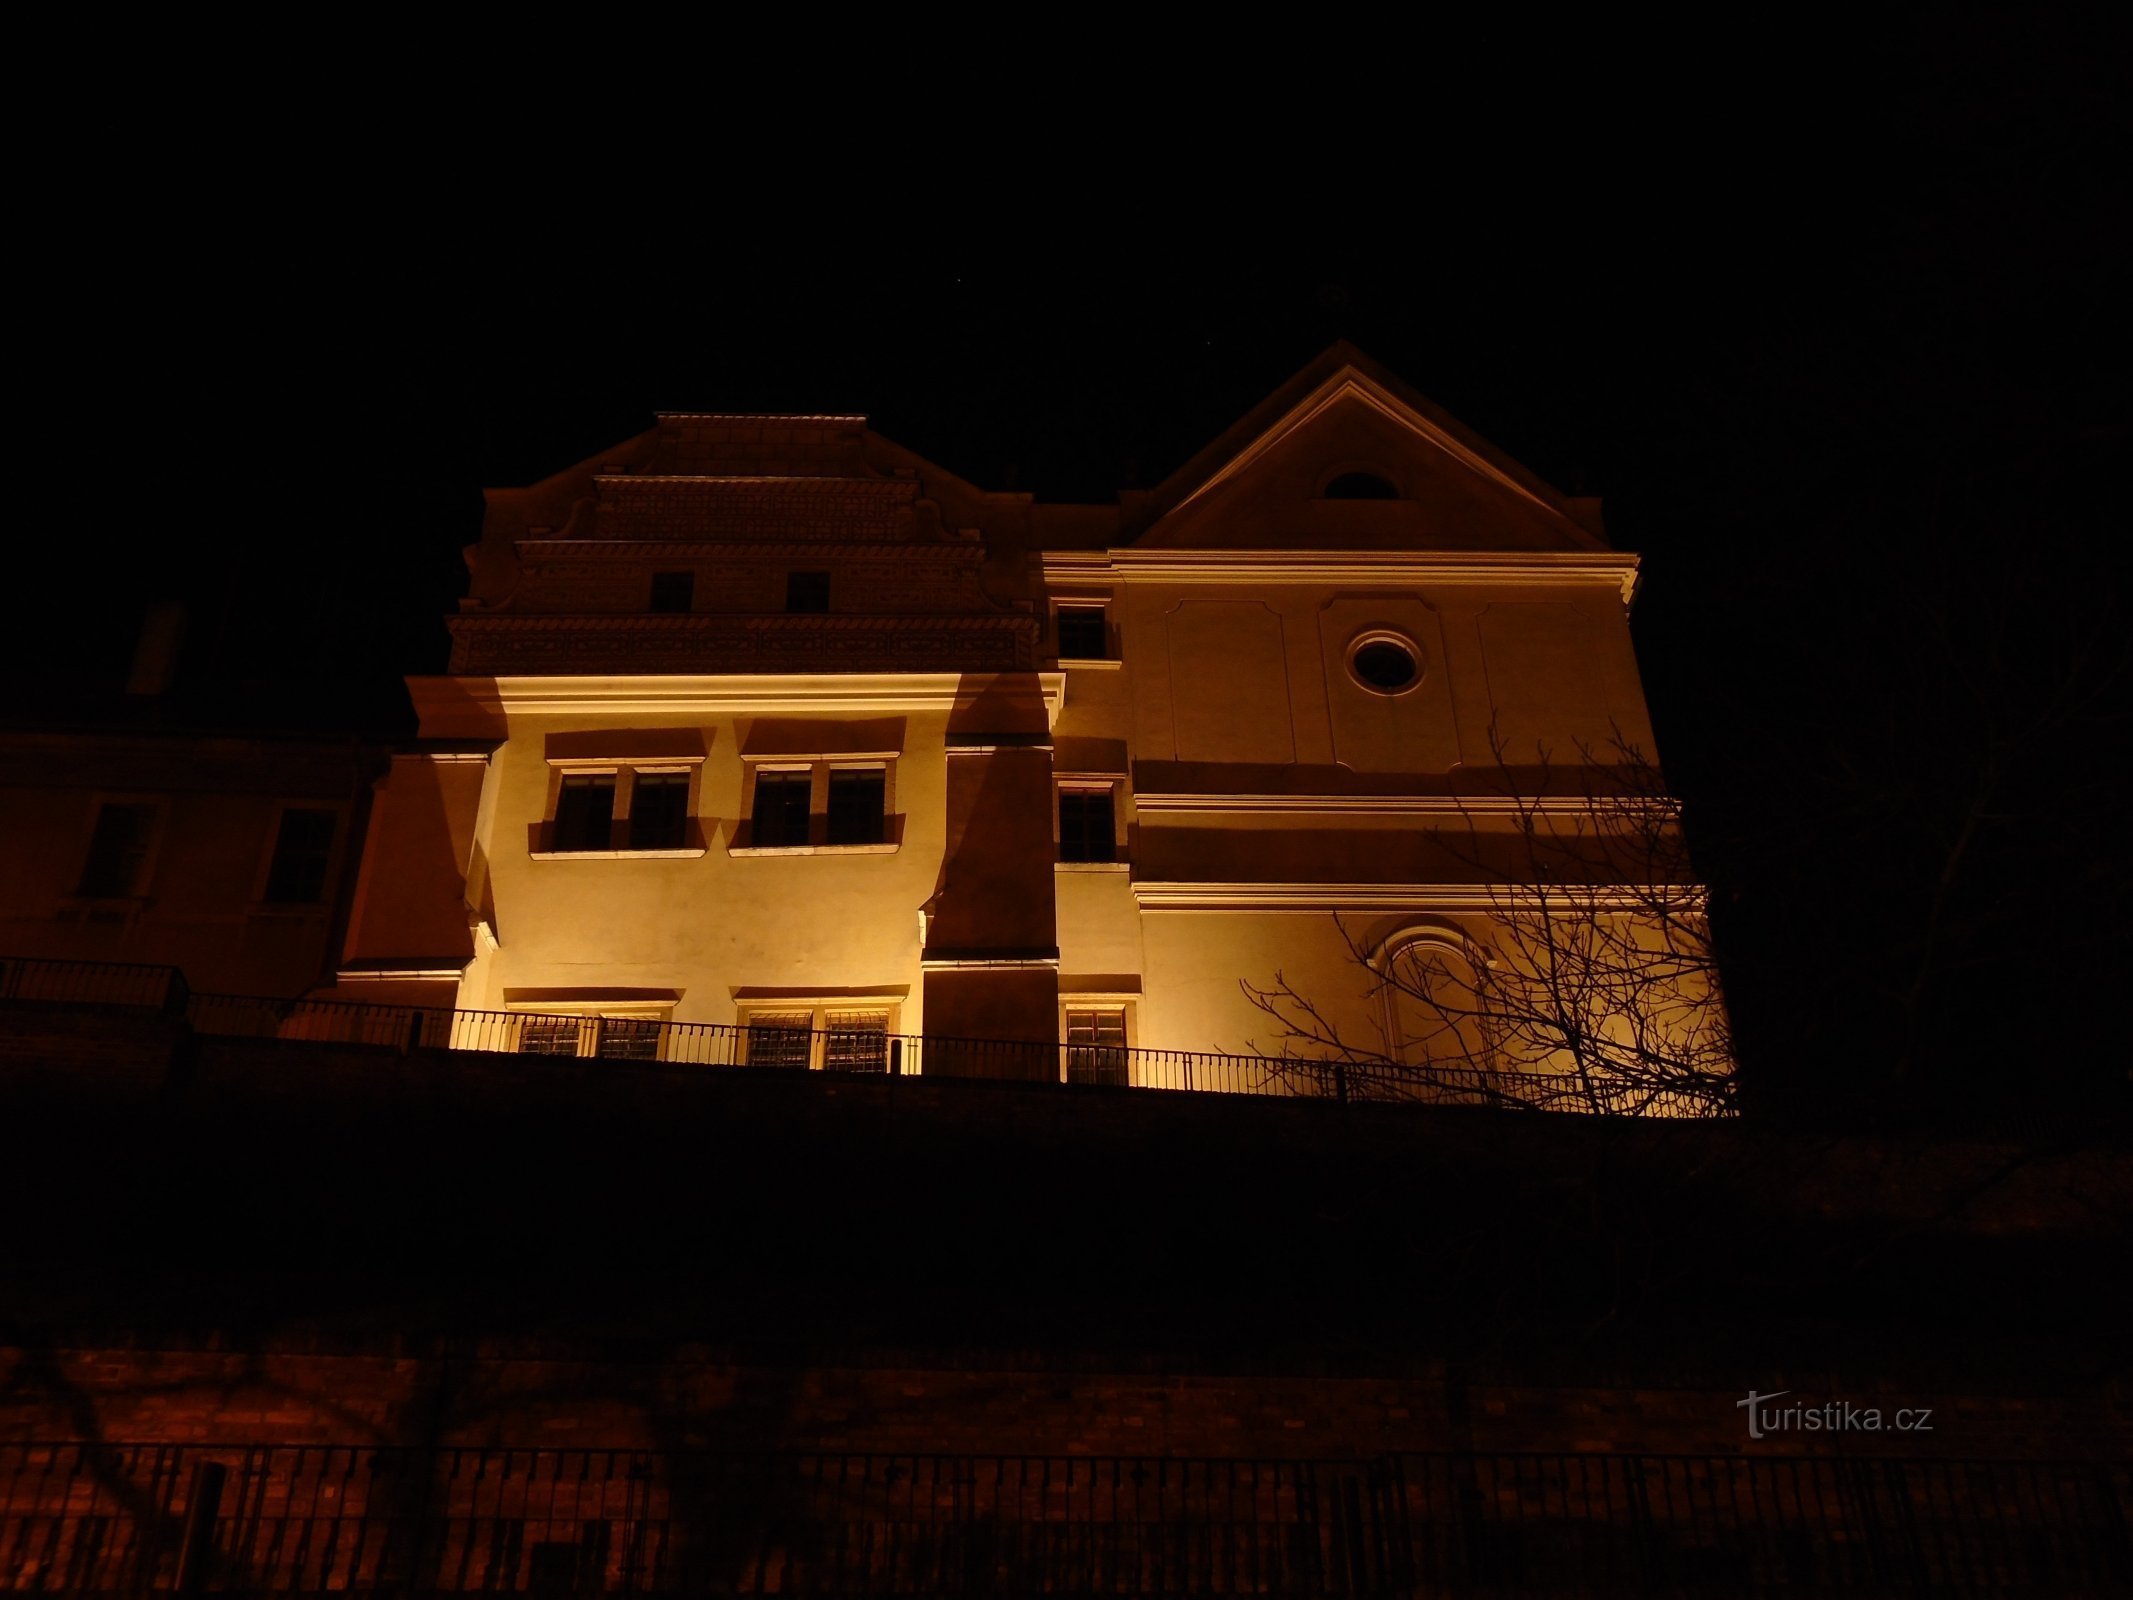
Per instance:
{"type": "Point", "coordinates": [1360, 486]}
{"type": "Point", "coordinates": [1435, 1013]}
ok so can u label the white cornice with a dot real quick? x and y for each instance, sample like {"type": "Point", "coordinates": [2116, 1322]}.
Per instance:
{"type": "Point", "coordinates": [759, 416]}
{"type": "Point", "coordinates": [723, 694]}
{"type": "Point", "coordinates": [1491, 568]}
{"type": "Point", "coordinates": [1429, 805]}
{"type": "Point", "coordinates": [1325, 897]}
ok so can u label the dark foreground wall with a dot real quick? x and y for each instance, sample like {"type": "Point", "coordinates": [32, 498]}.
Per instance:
{"type": "Point", "coordinates": [637, 1273]}
{"type": "Point", "coordinates": [392, 1229]}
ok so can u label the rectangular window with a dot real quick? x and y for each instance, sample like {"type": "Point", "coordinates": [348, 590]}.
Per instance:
{"type": "Point", "coordinates": [118, 852]}
{"type": "Point", "coordinates": [1096, 1047]}
{"type": "Point", "coordinates": [1086, 830]}
{"type": "Point", "coordinates": [781, 1039]}
{"type": "Point", "coordinates": [856, 1041]}
{"type": "Point", "coordinates": [585, 813]}
{"type": "Point", "coordinates": [673, 591]}
{"type": "Point", "coordinates": [628, 1039]}
{"type": "Point", "coordinates": [858, 802]}
{"type": "Point", "coordinates": [548, 1036]}
{"type": "Point", "coordinates": [1082, 635]}
{"type": "Point", "coordinates": [659, 811]}
{"type": "Point", "coordinates": [301, 849]}
{"type": "Point", "coordinates": [807, 591]}
{"type": "Point", "coordinates": [780, 815]}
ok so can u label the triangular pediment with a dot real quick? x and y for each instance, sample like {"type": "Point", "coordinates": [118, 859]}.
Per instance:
{"type": "Point", "coordinates": [1343, 423]}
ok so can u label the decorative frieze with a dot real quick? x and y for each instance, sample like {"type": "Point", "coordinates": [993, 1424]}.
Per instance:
{"type": "Point", "coordinates": [494, 645]}
{"type": "Point", "coordinates": [754, 508]}
{"type": "Point", "coordinates": [882, 578]}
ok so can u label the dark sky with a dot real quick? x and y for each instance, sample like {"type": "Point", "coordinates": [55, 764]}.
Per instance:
{"type": "Point", "coordinates": [1832, 326]}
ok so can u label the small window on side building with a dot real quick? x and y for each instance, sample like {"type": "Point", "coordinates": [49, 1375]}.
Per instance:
{"type": "Point", "coordinates": [673, 591]}
{"type": "Point", "coordinates": [1082, 634]}
{"type": "Point", "coordinates": [807, 591]}
{"type": "Point", "coordinates": [118, 852]}
{"type": "Point", "coordinates": [302, 848]}
{"type": "Point", "coordinates": [1087, 830]}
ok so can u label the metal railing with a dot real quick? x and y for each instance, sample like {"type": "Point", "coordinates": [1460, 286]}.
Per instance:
{"type": "Point", "coordinates": [138, 1519]}
{"type": "Point", "coordinates": [107, 985]}
{"type": "Point", "coordinates": [778, 1045]}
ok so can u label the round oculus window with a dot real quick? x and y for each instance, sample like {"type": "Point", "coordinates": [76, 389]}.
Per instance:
{"type": "Point", "coordinates": [1386, 666]}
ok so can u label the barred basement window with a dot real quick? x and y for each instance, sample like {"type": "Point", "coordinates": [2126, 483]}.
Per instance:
{"type": "Point", "coordinates": [856, 1041]}
{"type": "Point", "coordinates": [628, 1039]}
{"type": "Point", "coordinates": [548, 1036]}
{"type": "Point", "coordinates": [302, 847]}
{"type": "Point", "coordinates": [807, 591]}
{"type": "Point", "coordinates": [781, 1039]}
{"type": "Point", "coordinates": [1096, 1047]}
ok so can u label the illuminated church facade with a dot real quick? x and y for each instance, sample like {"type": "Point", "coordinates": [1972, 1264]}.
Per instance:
{"type": "Point", "coordinates": [765, 725]}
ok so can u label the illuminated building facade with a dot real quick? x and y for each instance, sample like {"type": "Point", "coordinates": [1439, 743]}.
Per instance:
{"type": "Point", "coordinates": [764, 721]}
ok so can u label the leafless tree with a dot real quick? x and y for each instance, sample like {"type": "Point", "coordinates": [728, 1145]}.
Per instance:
{"type": "Point", "coordinates": [1588, 983]}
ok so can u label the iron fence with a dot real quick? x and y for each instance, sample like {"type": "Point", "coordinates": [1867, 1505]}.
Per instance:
{"type": "Point", "coordinates": [780, 1044]}
{"type": "Point", "coordinates": [139, 1519]}
{"type": "Point", "coordinates": [109, 985]}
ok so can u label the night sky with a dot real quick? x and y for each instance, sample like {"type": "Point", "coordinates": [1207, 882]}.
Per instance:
{"type": "Point", "coordinates": [1836, 340]}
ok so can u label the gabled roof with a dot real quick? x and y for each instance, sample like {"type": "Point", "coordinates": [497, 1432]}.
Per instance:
{"type": "Point", "coordinates": [1344, 380]}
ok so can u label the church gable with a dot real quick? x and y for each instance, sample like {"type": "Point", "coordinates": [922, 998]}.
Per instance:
{"type": "Point", "coordinates": [1353, 464]}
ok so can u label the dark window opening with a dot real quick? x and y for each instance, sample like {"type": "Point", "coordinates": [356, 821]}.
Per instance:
{"type": "Point", "coordinates": [659, 811]}
{"type": "Point", "coordinates": [780, 815]}
{"type": "Point", "coordinates": [1360, 486]}
{"type": "Point", "coordinates": [857, 803]}
{"type": "Point", "coordinates": [781, 1041]}
{"type": "Point", "coordinates": [807, 591]}
{"type": "Point", "coordinates": [1385, 666]}
{"type": "Point", "coordinates": [1082, 634]}
{"type": "Point", "coordinates": [585, 814]}
{"type": "Point", "coordinates": [673, 591]}
{"type": "Point", "coordinates": [1096, 1047]}
{"type": "Point", "coordinates": [1086, 830]}
{"type": "Point", "coordinates": [118, 850]}
{"type": "Point", "coordinates": [298, 873]}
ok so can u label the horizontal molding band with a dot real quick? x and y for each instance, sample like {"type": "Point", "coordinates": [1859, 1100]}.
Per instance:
{"type": "Point", "coordinates": [719, 694]}
{"type": "Point", "coordinates": [1512, 568]}
{"type": "Point", "coordinates": [1322, 897]}
{"type": "Point", "coordinates": [1494, 805]}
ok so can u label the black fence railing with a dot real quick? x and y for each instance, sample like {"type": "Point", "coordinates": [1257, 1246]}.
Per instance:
{"type": "Point", "coordinates": [782, 1044]}
{"type": "Point", "coordinates": [141, 1519]}
{"type": "Point", "coordinates": [109, 985]}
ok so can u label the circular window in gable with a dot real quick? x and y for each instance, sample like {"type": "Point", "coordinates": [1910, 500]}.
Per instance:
{"type": "Point", "coordinates": [1385, 663]}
